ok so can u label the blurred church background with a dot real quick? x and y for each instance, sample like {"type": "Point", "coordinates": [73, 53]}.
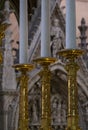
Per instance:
{"type": "Point", "coordinates": [9, 86]}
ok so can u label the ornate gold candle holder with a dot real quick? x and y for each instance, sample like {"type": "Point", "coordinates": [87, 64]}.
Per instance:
{"type": "Point", "coordinates": [46, 106]}
{"type": "Point", "coordinates": [23, 97]}
{"type": "Point", "coordinates": [72, 67]}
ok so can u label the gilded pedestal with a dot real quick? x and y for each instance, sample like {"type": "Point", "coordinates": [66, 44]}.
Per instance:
{"type": "Point", "coordinates": [45, 79]}
{"type": "Point", "coordinates": [72, 68]}
{"type": "Point", "coordinates": [23, 96]}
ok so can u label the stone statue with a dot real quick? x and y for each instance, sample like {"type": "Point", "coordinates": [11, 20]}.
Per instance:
{"type": "Point", "coordinates": [35, 116]}
{"type": "Point", "coordinates": [55, 110]}
{"type": "Point", "coordinates": [57, 37]}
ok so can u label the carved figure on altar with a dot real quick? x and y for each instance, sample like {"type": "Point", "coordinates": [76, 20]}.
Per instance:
{"type": "Point", "coordinates": [55, 103]}
{"type": "Point", "coordinates": [58, 111]}
{"type": "Point", "coordinates": [57, 38]}
{"type": "Point", "coordinates": [35, 113]}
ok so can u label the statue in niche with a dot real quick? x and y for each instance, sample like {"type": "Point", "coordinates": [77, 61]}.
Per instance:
{"type": "Point", "coordinates": [11, 113]}
{"type": "Point", "coordinates": [35, 112]}
{"type": "Point", "coordinates": [57, 37]}
{"type": "Point", "coordinates": [55, 111]}
{"type": "Point", "coordinates": [58, 111]}
{"type": "Point", "coordinates": [34, 107]}
{"type": "Point", "coordinates": [63, 112]}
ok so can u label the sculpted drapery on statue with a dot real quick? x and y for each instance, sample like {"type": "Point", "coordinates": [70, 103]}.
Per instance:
{"type": "Point", "coordinates": [57, 38]}
{"type": "Point", "coordinates": [58, 106]}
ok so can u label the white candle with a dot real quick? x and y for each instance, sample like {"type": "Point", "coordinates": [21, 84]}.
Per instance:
{"type": "Point", "coordinates": [23, 32]}
{"type": "Point", "coordinates": [45, 28]}
{"type": "Point", "coordinates": [70, 24]}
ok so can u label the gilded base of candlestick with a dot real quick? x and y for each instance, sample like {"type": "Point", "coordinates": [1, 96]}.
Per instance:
{"type": "Point", "coordinates": [45, 79]}
{"type": "Point", "coordinates": [23, 123]}
{"type": "Point", "coordinates": [72, 68]}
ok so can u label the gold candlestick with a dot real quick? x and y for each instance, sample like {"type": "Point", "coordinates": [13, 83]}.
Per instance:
{"type": "Point", "coordinates": [23, 99]}
{"type": "Point", "coordinates": [72, 67]}
{"type": "Point", "coordinates": [46, 106]}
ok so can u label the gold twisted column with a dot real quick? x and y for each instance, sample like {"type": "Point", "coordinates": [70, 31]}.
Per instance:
{"type": "Point", "coordinates": [23, 123]}
{"type": "Point", "coordinates": [46, 105]}
{"type": "Point", "coordinates": [72, 67]}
